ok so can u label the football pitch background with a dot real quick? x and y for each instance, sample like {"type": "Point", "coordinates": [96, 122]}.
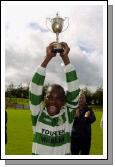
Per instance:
{"type": "Point", "coordinates": [20, 136]}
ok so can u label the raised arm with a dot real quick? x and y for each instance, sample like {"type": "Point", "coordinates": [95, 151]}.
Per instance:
{"type": "Point", "coordinates": [36, 87]}
{"type": "Point", "coordinates": [71, 78]}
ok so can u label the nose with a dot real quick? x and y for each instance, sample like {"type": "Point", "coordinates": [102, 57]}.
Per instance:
{"type": "Point", "coordinates": [52, 101]}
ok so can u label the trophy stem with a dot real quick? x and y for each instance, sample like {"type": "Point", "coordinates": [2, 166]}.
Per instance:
{"type": "Point", "coordinates": [57, 37]}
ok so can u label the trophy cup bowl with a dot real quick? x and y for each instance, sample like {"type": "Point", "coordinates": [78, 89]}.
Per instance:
{"type": "Point", "coordinates": [56, 28]}
{"type": "Point", "coordinates": [57, 24]}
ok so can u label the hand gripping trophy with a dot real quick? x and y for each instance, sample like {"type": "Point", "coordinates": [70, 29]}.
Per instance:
{"type": "Point", "coordinates": [57, 24]}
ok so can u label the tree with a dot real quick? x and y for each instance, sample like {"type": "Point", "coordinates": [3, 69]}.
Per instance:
{"type": "Point", "coordinates": [88, 95]}
{"type": "Point", "coordinates": [98, 96]}
{"type": "Point", "coordinates": [8, 92]}
{"type": "Point", "coordinates": [19, 92]}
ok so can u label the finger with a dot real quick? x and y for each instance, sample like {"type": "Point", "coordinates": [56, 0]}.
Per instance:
{"type": "Point", "coordinates": [50, 47]}
{"type": "Point", "coordinates": [52, 43]}
{"type": "Point", "coordinates": [64, 44]}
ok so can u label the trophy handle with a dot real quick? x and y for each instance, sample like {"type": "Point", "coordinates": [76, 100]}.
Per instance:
{"type": "Point", "coordinates": [66, 18]}
{"type": "Point", "coordinates": [48, 19]}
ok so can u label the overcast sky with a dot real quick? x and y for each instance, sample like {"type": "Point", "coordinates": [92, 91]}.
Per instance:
{"type": "Point", "coordinates": [27, 36]}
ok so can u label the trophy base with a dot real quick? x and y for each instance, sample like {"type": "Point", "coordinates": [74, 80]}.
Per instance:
{"type": "Point", "coordinates": [57, 50]}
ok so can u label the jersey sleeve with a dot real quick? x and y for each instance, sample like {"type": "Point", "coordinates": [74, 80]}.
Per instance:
{"type": "Point", "coordinates": [72, 92]}
{"type": "Point", "coordinates": [72, 85]}
{"type": "Point", "coordinates": [35, 94]}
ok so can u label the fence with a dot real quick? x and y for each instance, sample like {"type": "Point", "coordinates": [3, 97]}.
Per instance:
{"type": "Point", "coordinates": [18, 106]}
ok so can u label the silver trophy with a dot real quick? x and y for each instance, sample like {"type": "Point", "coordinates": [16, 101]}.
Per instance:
{"type": "Point", "coordinates": [57, 26]}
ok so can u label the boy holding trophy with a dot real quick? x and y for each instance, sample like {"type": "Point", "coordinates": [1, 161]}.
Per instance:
{"type": "Point", "coordinates": [52, 123]}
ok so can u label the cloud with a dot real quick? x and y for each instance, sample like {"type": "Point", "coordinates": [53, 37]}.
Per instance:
{"type": "Point", "coordinates": [26, 39]}
{"type": "Point", "coordinates": [36, 26]}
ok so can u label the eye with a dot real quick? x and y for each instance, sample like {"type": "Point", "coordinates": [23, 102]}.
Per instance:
{"type": "Point", "coordinates": [48, 97]}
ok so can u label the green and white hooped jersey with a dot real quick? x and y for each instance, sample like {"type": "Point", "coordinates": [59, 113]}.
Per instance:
{"type": "Point", "coordinates": [52, 133]}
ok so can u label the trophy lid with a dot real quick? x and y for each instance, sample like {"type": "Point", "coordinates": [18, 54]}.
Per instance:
{"type": "Point", "coordinates": [58, 17]}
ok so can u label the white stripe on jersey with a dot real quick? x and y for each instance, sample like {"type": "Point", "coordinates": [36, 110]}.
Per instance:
{"type": "Point", "coordinates": [48, 150]}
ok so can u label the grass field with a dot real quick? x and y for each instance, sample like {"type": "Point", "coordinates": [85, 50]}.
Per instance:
{"type": "Point", "coordinates": [19, 130]}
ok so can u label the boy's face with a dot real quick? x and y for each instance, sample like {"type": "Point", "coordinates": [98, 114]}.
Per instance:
{"type": "Point", "coordinates": [54, 100]}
